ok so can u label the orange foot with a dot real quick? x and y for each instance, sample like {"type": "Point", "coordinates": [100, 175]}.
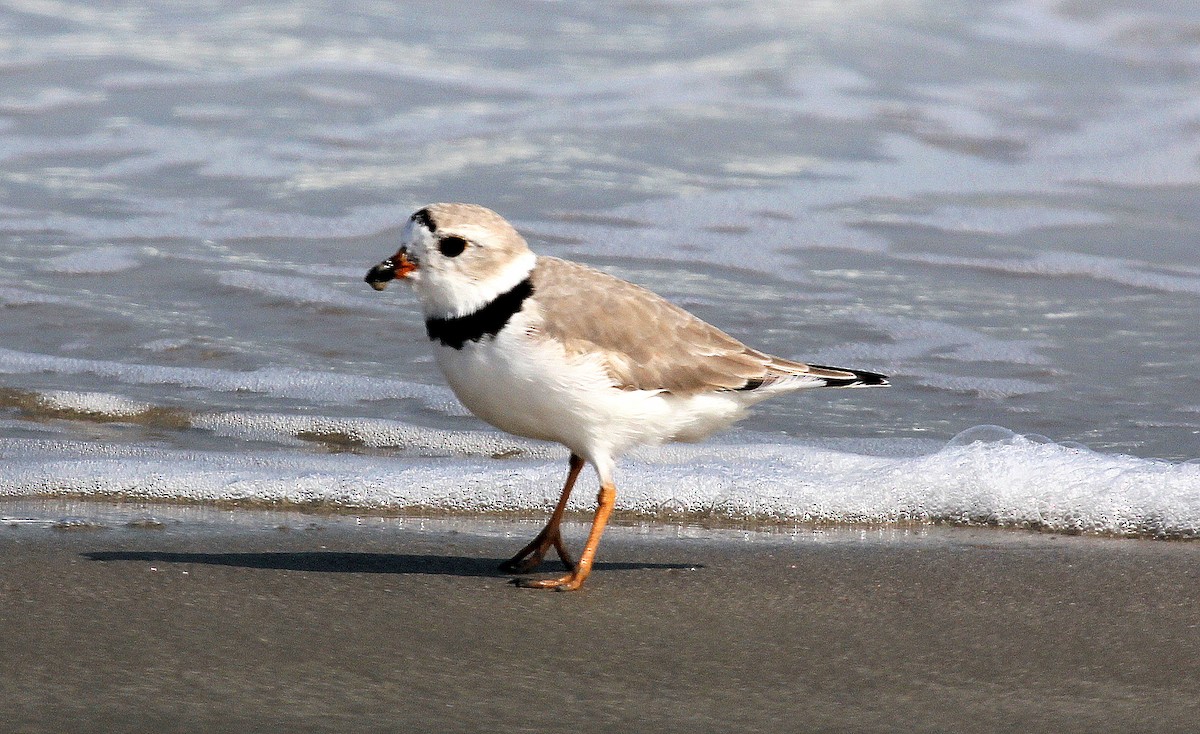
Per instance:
{"type": "Point", "coordinates": [575, 579]}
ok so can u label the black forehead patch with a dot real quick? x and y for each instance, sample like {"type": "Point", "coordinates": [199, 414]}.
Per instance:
{"type": "Point", "coordinates": [424, 217]}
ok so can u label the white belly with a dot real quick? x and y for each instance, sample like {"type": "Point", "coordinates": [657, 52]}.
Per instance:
{"type": "Point", "coordinates": [528, 387]}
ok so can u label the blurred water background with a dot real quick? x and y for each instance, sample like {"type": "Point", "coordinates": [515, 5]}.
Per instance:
{"type": "Point", "coordinates": [993, 202]}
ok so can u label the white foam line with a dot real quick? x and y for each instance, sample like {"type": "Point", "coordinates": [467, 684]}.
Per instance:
{"type": "Point", "coordinates": [1011, 483]}
{"type": "Point", "coordinates": [95, 403]}
{"type": "Point", "coordinates": [427, 441]}
{"type": "Point", "coordinates": [321, 387]}
{"type": "Point", "coordinates": [375, 433]}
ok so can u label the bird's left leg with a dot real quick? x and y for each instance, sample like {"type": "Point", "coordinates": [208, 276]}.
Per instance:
{"type": "Point", "coordinates": [531, 556]}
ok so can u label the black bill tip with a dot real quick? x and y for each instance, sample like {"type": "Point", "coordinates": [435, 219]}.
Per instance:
{"type": "Point", "coordinates": [378, 276]}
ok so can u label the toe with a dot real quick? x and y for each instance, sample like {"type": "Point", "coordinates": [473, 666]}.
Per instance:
{"type": "Point", "coordinates": [542, 583]}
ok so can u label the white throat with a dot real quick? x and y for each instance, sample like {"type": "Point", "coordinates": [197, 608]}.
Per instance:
{"type": "Point", "coordinates": [451, 297]}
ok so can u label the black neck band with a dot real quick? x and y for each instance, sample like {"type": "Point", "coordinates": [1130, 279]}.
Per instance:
{"type": "Point", "coordinates": [486, 321]}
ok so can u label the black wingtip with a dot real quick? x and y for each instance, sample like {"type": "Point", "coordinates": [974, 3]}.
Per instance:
{"type": "Point", "coordinates": [871, 379]}
{"type": "Point", "coordinates": [752, 384]}
{"type": "Point", "coordinates": [861, 378]}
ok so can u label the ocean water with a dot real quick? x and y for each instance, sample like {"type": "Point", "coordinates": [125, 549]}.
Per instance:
{"type": "Point", "coordinates": [995, 203]}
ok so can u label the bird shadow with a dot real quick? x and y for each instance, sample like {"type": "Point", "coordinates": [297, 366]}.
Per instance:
{"type": "Point", "coordinates": [341, 562]}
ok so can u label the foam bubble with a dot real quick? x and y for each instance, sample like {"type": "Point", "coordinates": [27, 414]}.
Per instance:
{"type": "Point", "coordinates": [92, 403]}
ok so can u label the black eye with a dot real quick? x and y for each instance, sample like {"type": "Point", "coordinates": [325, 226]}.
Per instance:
{"type": "Point", "coordinates": [451, 246]}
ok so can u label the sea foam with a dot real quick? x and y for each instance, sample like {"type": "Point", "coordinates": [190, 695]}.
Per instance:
{"type": "Point", "coordinates": [319, 387]}
{"type": "Point", "coordinates": [987, 476]}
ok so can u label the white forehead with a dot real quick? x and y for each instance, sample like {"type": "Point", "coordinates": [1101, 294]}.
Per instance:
{"type": "Point", "coordinates": [415, 232]}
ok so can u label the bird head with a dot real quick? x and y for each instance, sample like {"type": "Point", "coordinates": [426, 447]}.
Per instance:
{"type": "Point", "coordinates": [457, 257]}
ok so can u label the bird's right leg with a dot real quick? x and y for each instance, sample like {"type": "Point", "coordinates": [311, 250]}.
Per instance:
{"type": "Point", "coordinates": [531, 556]}
{"type": "Point", "coordinates": [605, 502]}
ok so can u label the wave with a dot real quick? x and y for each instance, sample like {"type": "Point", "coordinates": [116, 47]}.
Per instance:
{"type": "Point", "coordinates": [986, 476]}
{"type": "Point", "coordinates": [318, 387]}
{"type": "Point", "coordinates": [295, 289]}
{"type": "Point", "coordinates": [1132, 273]}
{"type": "Point", "coordinates": [95, 261]}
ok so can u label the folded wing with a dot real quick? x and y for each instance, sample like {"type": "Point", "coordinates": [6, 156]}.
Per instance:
{"type": "Point", "coordinates": [647, 343]}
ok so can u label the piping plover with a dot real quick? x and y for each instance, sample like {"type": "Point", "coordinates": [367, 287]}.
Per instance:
{"type": "Point", "coordinates": [557, 351]}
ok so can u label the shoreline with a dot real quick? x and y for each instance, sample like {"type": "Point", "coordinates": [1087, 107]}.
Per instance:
{"type": "Point", "coordinates": [97, 507]}
{"type": "Point", "coordinates": [229, 620]}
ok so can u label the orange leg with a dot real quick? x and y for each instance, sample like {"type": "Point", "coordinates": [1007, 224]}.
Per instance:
{"type": "Point", "coordinates": [575, 579]}
{"type": "Point", "coordinates": [531, 556]}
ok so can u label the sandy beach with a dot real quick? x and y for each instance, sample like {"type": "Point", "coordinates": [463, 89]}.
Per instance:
{"type": "Point", "coordinates": [291, 623]}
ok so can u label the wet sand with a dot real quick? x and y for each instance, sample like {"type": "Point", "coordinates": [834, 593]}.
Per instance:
{"type": "Point", "coordinates": [326, 625]}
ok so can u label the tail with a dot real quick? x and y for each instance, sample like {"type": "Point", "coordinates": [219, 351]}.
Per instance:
{"type": "Point", "coordinates": [839, 377]}
{"type": "Point", "coordinates": [798, 374]}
